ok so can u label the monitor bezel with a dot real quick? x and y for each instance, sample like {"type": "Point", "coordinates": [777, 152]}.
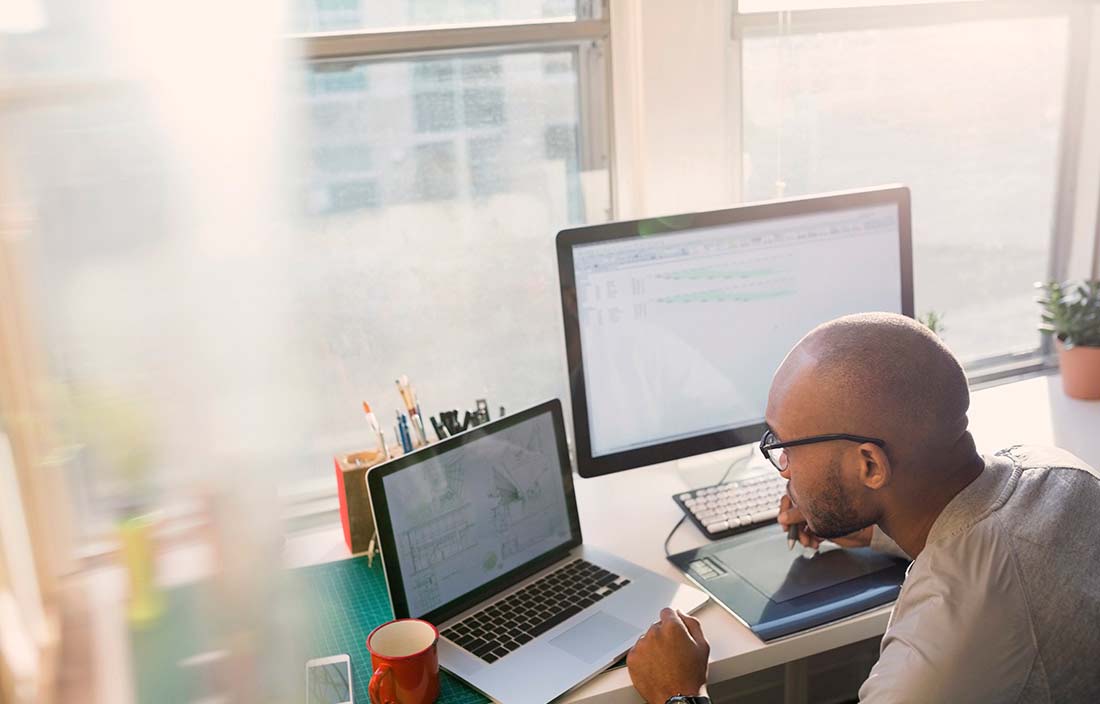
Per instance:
{"type": "Point", "coordinates": [589, 466]}
{"type": "Point", "coordinates": [391, 563]}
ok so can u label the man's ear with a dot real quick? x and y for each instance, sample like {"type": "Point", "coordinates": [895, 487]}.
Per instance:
{"type": "Point", "coordinates": [875, 471]}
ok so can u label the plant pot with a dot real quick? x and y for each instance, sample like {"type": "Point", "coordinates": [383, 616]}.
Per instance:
{"type": "Point", "coordinates": [1080, 371]}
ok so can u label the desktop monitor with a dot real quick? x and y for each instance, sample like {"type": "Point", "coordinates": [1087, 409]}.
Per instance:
{"type": "Point", "coordinates": [675, 325]}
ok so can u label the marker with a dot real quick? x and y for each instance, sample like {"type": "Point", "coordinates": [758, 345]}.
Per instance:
{"type": "Point", "coordinates": [418, 426]}
{"type": "Point", "coordinates": [440, 431]}
{"type": "Point", "coordinates": [792, 535]}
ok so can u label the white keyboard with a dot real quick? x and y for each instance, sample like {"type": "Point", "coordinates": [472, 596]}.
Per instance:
{"type": "Point", "coordinates": [734, 507]}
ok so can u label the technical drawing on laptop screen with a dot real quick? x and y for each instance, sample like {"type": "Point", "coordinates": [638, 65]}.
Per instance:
{"type": "Point", "coordinates": [681, 332]}
{"type": "Point", "coordinates": [475, 512]}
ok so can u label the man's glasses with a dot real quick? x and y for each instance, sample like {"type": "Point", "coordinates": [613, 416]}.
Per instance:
{"type": "Point", "coordinates": [776, 451]}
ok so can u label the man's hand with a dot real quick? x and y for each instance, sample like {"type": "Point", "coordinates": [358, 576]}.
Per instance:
{"type": "Point", "coordinates": [670, 658]}
{"type": "Point", "coordinates": [790, 515]}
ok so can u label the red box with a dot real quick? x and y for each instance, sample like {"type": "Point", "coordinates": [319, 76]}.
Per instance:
{"type": "Point", "coordinates": [351, 488]}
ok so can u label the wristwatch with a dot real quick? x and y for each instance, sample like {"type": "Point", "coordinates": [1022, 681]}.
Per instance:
{"type": "Point", "coordinates": [684, 699]}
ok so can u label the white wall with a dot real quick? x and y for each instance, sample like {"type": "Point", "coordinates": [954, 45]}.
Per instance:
{"type": "Point", "coordinates": [676, 136]}
{"type": "Point", "coordinates": [1085, 252]}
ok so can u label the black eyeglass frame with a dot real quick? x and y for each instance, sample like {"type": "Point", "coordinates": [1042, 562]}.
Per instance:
{"type": "Point", "coordinates": [766, 447]}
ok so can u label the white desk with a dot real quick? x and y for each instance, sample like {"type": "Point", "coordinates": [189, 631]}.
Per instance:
{"type": "Point", "coordinates": [630, 513]}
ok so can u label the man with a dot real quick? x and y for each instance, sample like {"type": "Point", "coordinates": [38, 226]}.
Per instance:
{"type": "Point", "coordinates": [1002, 601]}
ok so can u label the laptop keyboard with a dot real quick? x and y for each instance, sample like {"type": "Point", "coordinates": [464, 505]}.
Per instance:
{"type": "Point", "coordinates": [523, 616]}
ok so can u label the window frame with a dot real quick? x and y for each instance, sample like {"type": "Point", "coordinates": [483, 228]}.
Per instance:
{"type": "Point", "coordinates": [1070, 200]}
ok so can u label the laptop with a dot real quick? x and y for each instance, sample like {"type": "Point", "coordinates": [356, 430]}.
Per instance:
{"type": "Point", "coordinates": [480, 536]}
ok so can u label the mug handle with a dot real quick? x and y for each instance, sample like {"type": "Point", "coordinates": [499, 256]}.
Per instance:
{"type": "Point", "coordinates": [374, 689]}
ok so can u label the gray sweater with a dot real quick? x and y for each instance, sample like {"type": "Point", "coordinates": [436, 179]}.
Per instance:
{"type": "Point", "coordinates": [1003, 604]}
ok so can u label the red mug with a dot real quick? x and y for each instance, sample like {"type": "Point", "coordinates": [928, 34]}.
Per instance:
{"type": "Point", "coordinates": [404, 655]}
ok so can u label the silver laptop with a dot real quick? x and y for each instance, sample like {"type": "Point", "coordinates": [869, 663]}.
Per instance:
{"type": "Point", "coordinates": [480, 536]}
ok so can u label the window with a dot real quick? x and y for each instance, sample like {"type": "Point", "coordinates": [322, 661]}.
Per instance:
{"type": "Point", "coordinates": [447, 176]}
{"type": "Point", "coordinates": [562, 146]}
{"type": "Point", "coordinates": [483, 107]}
{"type": "Point", "coordinates": [435, 171]}
{"type": "Point", "coordinates": [477, 162]}
{"type": "Point", "coordinates": [750, 6]}
{"type": "Point", "coordinates": [392, 200]}
{"type": "Point", "coordinates": [488, 165]}
{"type": "Point", "coordinates": [967, 110]}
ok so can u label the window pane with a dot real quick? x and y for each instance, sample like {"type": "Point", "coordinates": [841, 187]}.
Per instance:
{"type": "Point", "coordinates": [748, 6]}
{"type": "Point", "coordinates": [412, 247]}
{"type": "Point", "coordinates": [343, 15]}
{"type": "Point", "coordinates": [968, 115]}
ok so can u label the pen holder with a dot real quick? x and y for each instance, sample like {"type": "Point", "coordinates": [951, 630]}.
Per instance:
{"type": "Point", "coordinates": [351, 488]}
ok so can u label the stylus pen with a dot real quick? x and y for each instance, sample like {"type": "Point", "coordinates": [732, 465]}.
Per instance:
{"type": "Point", "coordinates": [792, 535]}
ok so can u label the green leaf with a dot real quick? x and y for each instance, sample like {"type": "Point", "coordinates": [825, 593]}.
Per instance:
{"type": "Point", "coordinates": [1071, 311]}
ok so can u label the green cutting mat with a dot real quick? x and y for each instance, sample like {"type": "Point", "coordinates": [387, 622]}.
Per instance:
{"type": "Point", "coordinates": [349, 600]}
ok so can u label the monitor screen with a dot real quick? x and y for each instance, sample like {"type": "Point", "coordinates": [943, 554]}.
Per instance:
{"type": "Point", "coordinates": [477, 511]}
{"type": "Point", "coordinates": [679, 332]}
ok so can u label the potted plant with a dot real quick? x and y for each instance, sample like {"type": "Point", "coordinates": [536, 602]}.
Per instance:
{"type": "Point", "coordinates": [1071, 313]}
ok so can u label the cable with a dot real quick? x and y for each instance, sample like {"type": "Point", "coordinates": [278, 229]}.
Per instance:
{"type": "Point", "coordinates": [668, 538]}
{"type": "Point", "coordinates": [671, 532]}
{"type": "Point", "coordinates": [729, 469]}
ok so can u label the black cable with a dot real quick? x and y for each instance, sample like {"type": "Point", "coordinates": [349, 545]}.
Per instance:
{"type": "Point", "coordinates": [730, 468]}
{"type": "Point", "coordinates": [671, 532]}
{"type": "Point", "coordinates": [683, 518]}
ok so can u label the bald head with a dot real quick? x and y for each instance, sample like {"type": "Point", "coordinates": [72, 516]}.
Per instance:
{"type": "Point", "coordinates": [875, 374]}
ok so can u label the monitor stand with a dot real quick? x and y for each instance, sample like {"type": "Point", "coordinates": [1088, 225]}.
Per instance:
{"type": "Point", "coordinates": [709, 468]}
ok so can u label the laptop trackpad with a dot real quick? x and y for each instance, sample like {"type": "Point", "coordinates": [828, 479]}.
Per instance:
{"type": "Point", "coordinates": [594, 637]}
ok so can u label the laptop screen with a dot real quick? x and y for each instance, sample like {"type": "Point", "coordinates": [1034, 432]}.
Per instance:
{"type": "Point", "coordinates": [477, 510]}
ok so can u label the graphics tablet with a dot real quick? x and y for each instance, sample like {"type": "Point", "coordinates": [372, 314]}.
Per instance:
{"type": "Point", "coordinates": [776, 592]}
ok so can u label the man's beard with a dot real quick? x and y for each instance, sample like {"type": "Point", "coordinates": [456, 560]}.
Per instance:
{"type": "Point", "coordinates": [833, 514]}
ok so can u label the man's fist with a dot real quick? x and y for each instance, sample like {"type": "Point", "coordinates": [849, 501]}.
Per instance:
{"type": "Point", "coordinates": [670, 658]}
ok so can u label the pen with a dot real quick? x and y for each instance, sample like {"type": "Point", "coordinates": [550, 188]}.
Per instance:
{"type": "Point", "coordinates": [792, 535]}
{"type": "Point", "coordinates": [409, 447]}
{"type": "Point", "coordinates": [403, 433]}
{"type": "Point", "coordinates": [370, 551]}
{"type": "Point", "coordinates": [385, 450]}
{"type": "Point", "coordinates": [406, 393]}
